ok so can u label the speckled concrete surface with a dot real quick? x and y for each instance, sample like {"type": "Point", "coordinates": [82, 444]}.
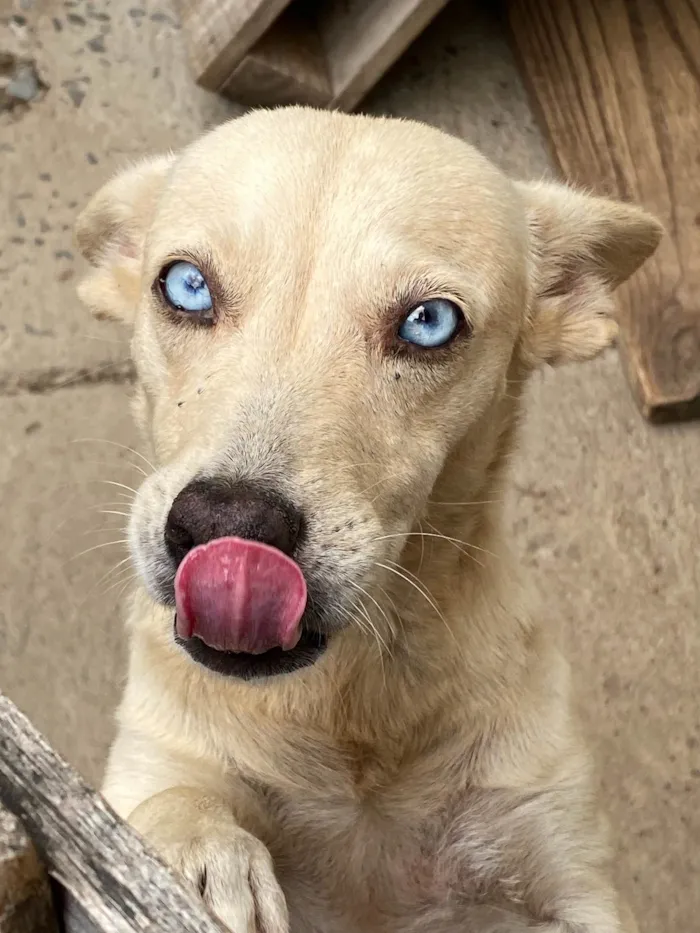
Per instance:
{"type": "Point", "coordinates": [605, 507]}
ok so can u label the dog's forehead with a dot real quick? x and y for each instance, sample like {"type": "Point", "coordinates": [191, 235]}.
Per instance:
{"type": "Point", "coordinates": [282, 170]}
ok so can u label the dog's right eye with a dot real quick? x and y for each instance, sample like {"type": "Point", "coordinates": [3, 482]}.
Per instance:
{"type": "Point", "coordinates": [185, 289]}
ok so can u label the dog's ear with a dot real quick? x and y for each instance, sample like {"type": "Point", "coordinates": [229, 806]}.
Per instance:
{"type": "Point", "coordinates": [111, 233]}
{"type": "Point", "coordinates": [582, 248]}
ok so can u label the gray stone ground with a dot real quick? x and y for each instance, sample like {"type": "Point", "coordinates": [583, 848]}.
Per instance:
{"type": "Point", "coordinates": [605, 507]}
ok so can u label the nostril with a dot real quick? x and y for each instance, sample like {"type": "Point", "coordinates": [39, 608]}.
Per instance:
{"type": "Point", "coordinates": [178, 539]}
{"type": "Point", "coordinates": [208, 509]}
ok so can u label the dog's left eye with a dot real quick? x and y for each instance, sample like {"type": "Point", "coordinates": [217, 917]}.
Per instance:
{"type": "Point", "coordinates": [432, 323]}
{"type": "Point", "coordinates": [184, 288]}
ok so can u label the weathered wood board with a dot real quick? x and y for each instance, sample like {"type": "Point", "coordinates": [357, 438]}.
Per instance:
{"type": "Point", "coordinates": [106, 880]}
{"type": "Point", "coordinates": [363, 38]}
{"type": "Point", "coordinates": [617, 84]}
{"type": "Point", "coordinates": [328, 53]}
{"type": "Point", "coordinates": [220, 32]}
{"type": "Point", "coordinates": [25, 896]}
{"type": "Point", "coordinates": [286, 66]}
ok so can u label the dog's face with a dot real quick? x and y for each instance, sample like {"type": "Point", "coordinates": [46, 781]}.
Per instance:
{"type": "Point", "coordinates": [327, 310]}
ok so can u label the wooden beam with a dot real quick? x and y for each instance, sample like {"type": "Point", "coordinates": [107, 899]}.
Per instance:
{"type": "Point", "coordinates": [617, 84]}
{"type": "Point", "coordinates": [107, 879]}
{"type": "Point", "coordinates": [220, 32]}
{"type": "Point", "coordinates": [326, 53]}
{"type": "Point", "coordinates": [286, 66]}
{"type": "Point", "coordinates": [363, 38]}
{"type": "Point", "coordinates": [25, 895]}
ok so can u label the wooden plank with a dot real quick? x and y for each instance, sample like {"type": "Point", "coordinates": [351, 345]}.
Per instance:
{"type": "Point", "coordinates": [112, 882]}
{"type": "Point", "coordinates": [317, 52]}
{"type": "Point", "coordinates": [617, 83]}
{"type": "Point", "coordinates": [25, 895]}
{"type": "Point", "coordinates": [220, 32]}
{"type": "Point", "coordinates": [363, 38]}
{"type": "Point", "coordinates": [287, 66]}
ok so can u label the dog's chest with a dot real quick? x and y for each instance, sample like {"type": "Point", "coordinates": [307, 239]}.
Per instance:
{"type": "Point", "coordinates": [350, 862]}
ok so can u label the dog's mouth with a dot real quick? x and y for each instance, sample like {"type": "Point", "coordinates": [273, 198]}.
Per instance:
{"type": "Point", "coordinates": [242, 610]}
{"type": "Point", "coordinates": [246, 666]}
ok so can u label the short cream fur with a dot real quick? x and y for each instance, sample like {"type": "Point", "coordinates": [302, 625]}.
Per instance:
{"type": "Point", "coordinates": [427, 774]}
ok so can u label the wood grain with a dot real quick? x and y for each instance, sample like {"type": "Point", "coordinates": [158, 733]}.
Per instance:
{"type": "Point", "coordinates": [220, 32]}
{"type": "Point", "coordinates": [111, 882]}
{"type": "Point", "coordinates": [25, 896]}
{"type": "Point", "coordinates": [286, 66]}
{"type": "Point", "coordinates": [326, 53]}
{"type": "Point", "coordinates": [617, 84]}
{"type": "Point", "coordinates": [363, 38]}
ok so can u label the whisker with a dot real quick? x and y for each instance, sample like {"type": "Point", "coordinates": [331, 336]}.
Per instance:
{"type": "Point", "coordinates": [417, 584]}
{"type": "Point", "coordinates": [456, 542]}
{"type": "Point", "coordinates": [94, 371]}
{"type": "Point", "coordinates": [425, 593]}
{"type": "Point", "coordinates": [103, 440]}
{"type": "Point", "coordinates": [100, 531]}
{"type": "Point", "coordinates": [384, 479]}
{"type": "Point", "coordinates": [422, 547]}
{"type": "Point", "coordinates": [375, 633]}
{"type": "Point", "coordinates": [96, 547]}
{"type": "Point", "coordinates": [397, 615]}
{"type": "Point", "coordinates": [475, 547]}
{"type": "Point", "coordinates": [476, 502]}
{"type": "Point", "coordinates": [134, 466]}
{"type": "Point", "coordinates": [111, 482]}
{"type": "Point", "coordinates": [124, 584]}
{"type": "Point", "coordinates": [369, 596]}
{"type": "Point", "coordinates": [108, 574]}
{"type": "Point", "coordinates": [122, 343]}
{"type": "Point", "coordinates": [100, 505]}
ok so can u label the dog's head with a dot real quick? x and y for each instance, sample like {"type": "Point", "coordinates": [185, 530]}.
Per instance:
{"type": "Point", "coordinates": [332, 315]}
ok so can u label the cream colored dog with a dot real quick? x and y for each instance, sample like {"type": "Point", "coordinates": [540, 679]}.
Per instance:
{"type": "Point", "coordinates": [357, 722]}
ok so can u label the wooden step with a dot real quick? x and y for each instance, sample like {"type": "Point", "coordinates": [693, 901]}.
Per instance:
{"type": "Point", "coordinates": [617, 84]}
{"type": "Point", "coordinates": [326, 53]}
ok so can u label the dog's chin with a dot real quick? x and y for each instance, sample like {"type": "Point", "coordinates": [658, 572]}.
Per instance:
{"type": "Point", "coordinates": [244, 666]}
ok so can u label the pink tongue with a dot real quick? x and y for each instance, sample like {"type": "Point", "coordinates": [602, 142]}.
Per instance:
{"type": "Point", "coordinates": [240, 595]}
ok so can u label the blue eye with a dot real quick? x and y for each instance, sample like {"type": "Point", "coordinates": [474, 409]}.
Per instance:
{"type": "Point", "coordinates": [184, 288]}
{"type": "Point", "coordinates": [432, 323]}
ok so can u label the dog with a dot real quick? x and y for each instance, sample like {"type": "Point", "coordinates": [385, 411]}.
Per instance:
{"type": "Point", "coordinates": [343, 713]}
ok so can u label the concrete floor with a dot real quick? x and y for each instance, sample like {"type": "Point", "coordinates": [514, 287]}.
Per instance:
{"type": "Point", "coordinates": [605, 507]}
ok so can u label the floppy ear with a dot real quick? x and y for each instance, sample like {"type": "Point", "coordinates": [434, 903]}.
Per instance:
{"type": "Point", "coordinates": [111, 233]}
{"type": "Point", "coordinates": [583, 247]}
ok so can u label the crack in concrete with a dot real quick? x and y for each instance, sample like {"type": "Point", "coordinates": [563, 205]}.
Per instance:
{"type": "Point", "coordinates": [42, 381]}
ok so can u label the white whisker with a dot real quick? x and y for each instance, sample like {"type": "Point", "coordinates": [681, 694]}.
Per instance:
{"type": "Point", "coordinates": [475, 502]}
{"type": "Point", "coordinates": [96, 547]}
{"type": "Point", "coordinates": [364, 592]}
{"type": "Point", "coordinates": [102, 440]}
{"type": "Point", "coordinates": [111, 482]}
{"type": "Point", "coordinates": [417, 584]}
{"type": "Point", "coordinates": [111, 465]}
{"type": "Point", "coordinates": [474, 547]}
{"type": "Point", "coordinates": [456, 542]}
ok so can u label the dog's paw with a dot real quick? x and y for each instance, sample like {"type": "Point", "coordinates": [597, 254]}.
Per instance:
{"type": "Point", "coordinates": [227, 866]}
{"type": "Point", "coordinates": [234, 874]}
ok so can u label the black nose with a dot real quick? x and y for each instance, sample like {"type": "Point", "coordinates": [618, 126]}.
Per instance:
{"type": "Point", "coordinates": [207, 509]}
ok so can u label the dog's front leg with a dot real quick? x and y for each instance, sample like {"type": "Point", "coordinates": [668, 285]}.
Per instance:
{"type": "Point", "coordinates": [542, 857]}
{"type": "Point", "coordinates": [186, 810]}
{"type": "Point", "coordinates": [564, 875]}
